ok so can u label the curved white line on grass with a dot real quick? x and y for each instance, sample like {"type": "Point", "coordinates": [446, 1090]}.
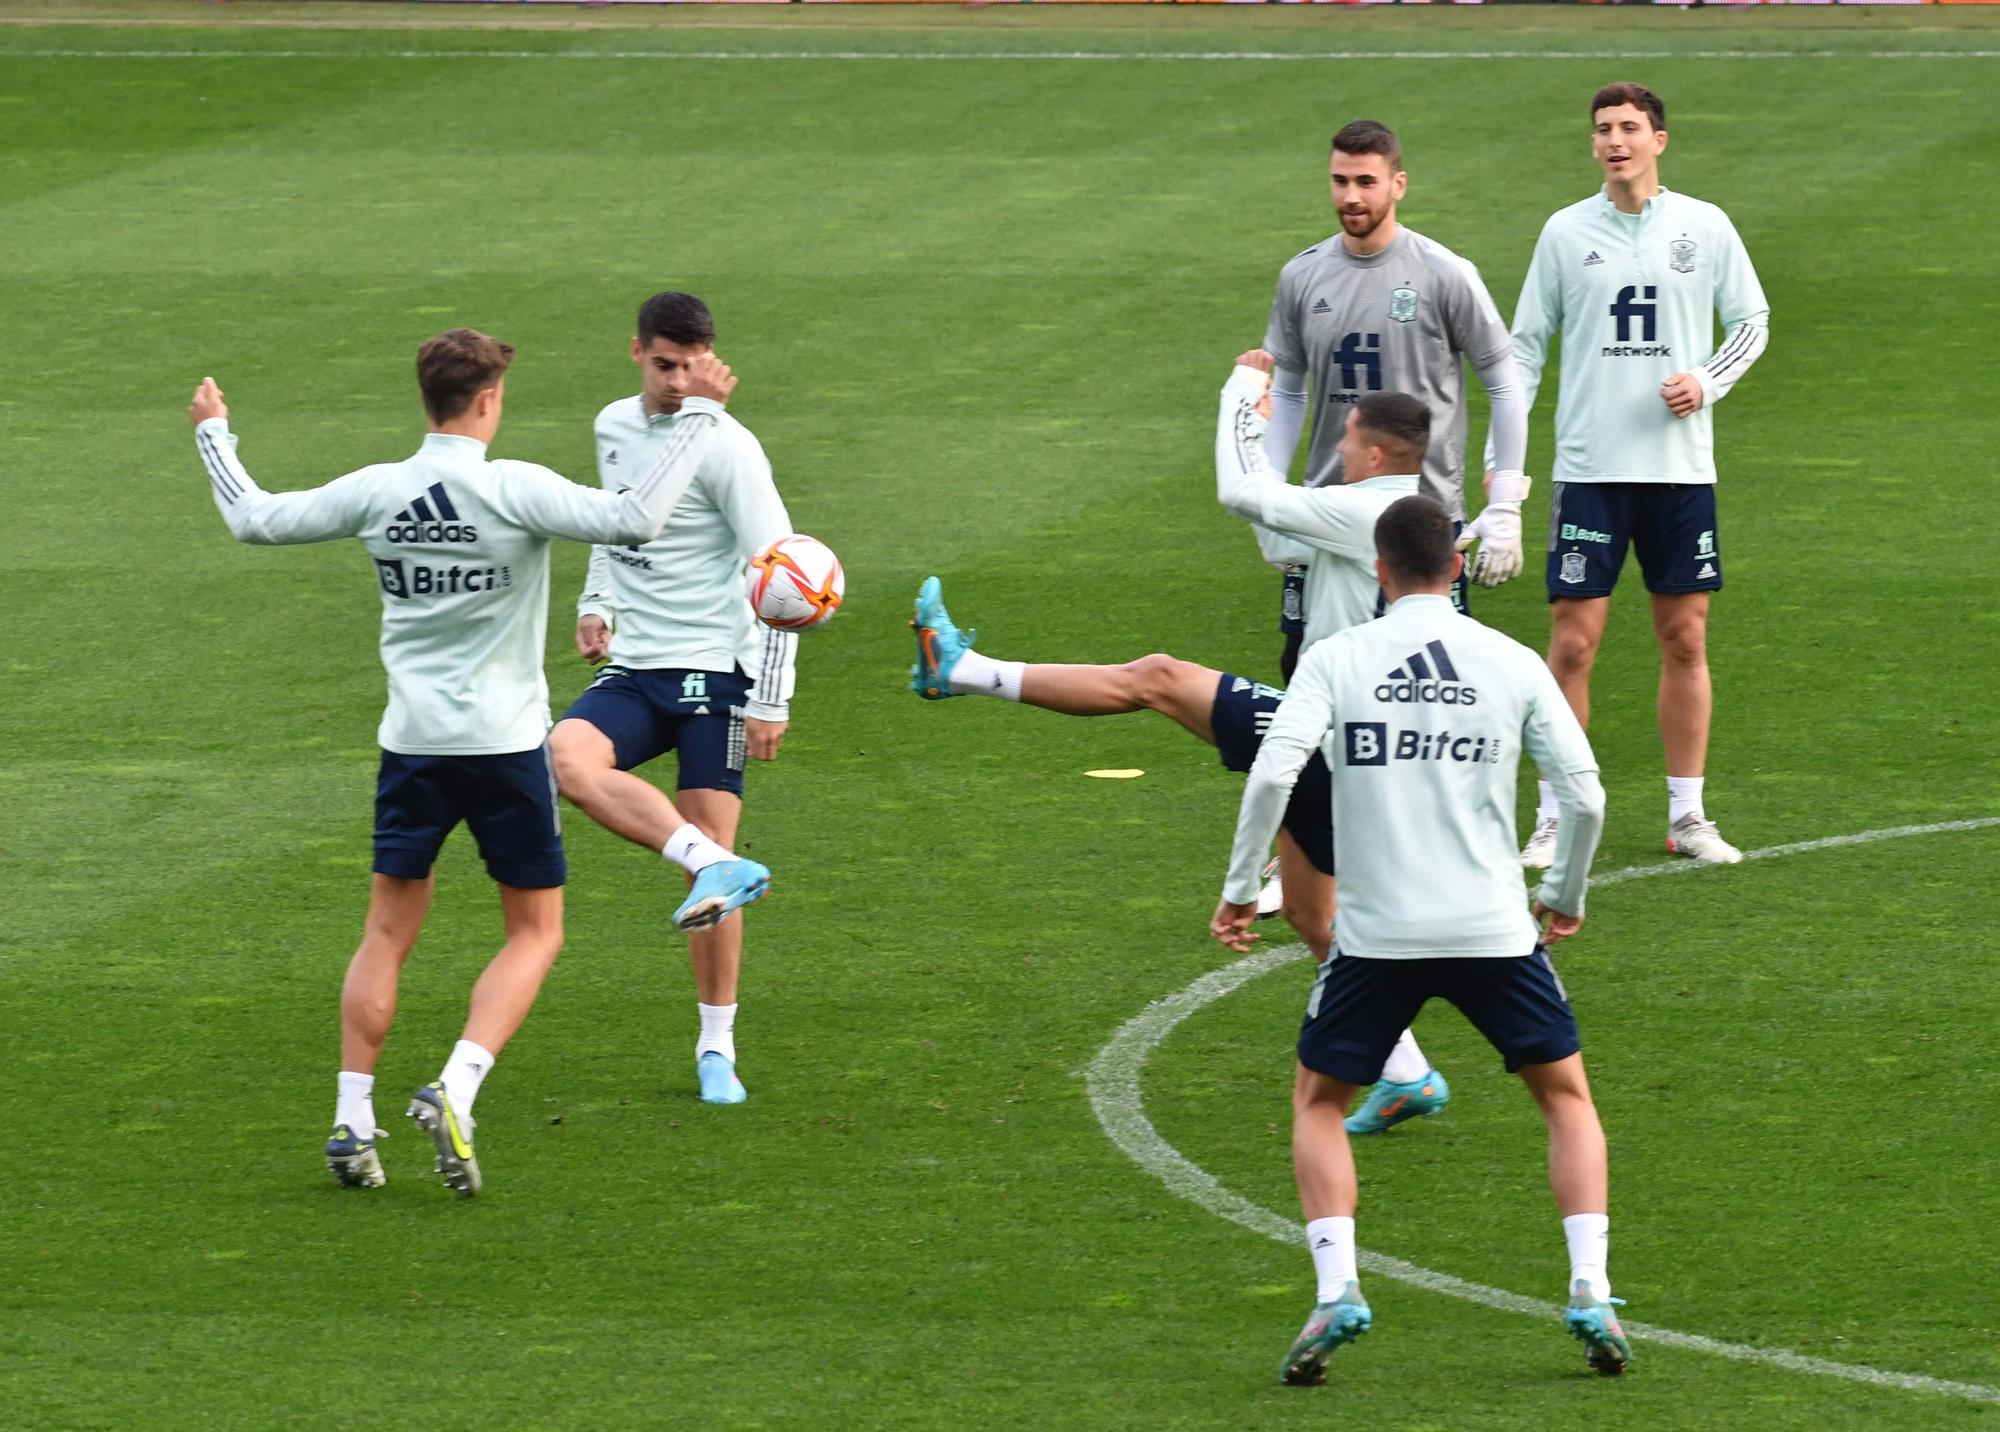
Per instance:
{"type": "Point", "coordinates": [1208, 56]}
{"type": "Point", "coordinates": [1113, 1082]}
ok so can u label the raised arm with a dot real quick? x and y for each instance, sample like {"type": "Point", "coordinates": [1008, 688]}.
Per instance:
{"type": "Point", "coordinates": [1247, 485]}
{"type": "Point", "coordinates": [318, 514]}
{"type": "Point", "coordinates": [546, 503]}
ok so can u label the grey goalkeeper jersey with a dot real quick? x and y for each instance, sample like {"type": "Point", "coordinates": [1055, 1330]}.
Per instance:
{"type": "Point", "coordinates": [1405, 320]}
{"type": "Point", "coordinates": [1423, 716]}
{"type": "Point", "coordinates": [461, 549]}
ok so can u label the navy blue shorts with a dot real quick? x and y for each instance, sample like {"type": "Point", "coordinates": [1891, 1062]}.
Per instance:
{"type": "Point", "coordinates": [1671, 525]}
{"type": "Point", "coordinates": [696, 713]}
{"type": "Point", "coordinates": [508, 802]}
{"type": "Point", "coordinates": [1360, 1007]}
{"type": "Point", "coordinates": [1240, 716]}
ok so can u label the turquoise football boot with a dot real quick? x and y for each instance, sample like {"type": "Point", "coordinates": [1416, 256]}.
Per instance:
{"type": "Point", "coordinates": [1331, 1324]}
{"type": "Point", "coordinates": [726, 886]}
{"type": "Point", "coordinates": [1595, 1325]}
{"type": "Point", "coordinates": [353, 1160]}
{"type": "Point", "coordinates": [453, 1137]}
{"type": "Point", "coordinates": [1389, 1104]}
{"type": "Point", "coordinates": [719, 1084]}
{"type": "Point", "coordinates": [939, 644]}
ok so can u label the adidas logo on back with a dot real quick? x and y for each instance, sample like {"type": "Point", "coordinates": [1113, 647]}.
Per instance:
{"type": "Point", "coordinates": [432, 521]}
{"type": "Point", "coordinates": [1591, 260]}
{"type": "Point", "coordinates": [1432, 682]}
{"type": "Point", "coordinates": [1322, 306]}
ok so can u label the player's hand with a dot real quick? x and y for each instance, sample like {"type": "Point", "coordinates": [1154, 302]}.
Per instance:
{"type": "Point", "coordinates": [1497, 530]}
{"type": "Point", "coordinates": [761, 738]}
{"type": "Point", "coordinates": [709, 377]}
{"type": "Point", "coordinates": [1682, 393]}
{"type": "Point", "coordinates": [593, 639]}
{"type": "Point", "coordinates": [207, 403]}
{"type": "Point", "coordinates": [1556, 925]}
{"type": "Point", "coordinates": [1231, 925]}
{"type": "Point", "coordinates": [1250, 381]}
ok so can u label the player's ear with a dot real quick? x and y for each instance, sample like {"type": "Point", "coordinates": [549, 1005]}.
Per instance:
{"type": "Point", "coordinates": [638, 352]}
{"type": "Point", "coordinates": [1457, 565]}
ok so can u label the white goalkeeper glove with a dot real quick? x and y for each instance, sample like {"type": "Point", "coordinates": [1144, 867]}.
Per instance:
{"type": "Point", "coordinates": [1497, 530]}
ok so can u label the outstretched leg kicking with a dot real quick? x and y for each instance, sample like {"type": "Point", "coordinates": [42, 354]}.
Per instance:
{"type": "Point", "coordinates": [1225, 711]}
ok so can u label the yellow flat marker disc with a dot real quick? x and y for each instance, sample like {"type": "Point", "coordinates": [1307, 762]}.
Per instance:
{"type": "Point", "coordinates": [1127, 774]}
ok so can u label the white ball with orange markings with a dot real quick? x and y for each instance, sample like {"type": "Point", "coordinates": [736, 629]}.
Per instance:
{"type": "Point", "coordinates": [795, 583]}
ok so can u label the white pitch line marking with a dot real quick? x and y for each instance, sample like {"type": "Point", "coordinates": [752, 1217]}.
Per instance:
{"type": "Point", "coordinates": [1113, 1082]}
{"type": "Point", "coordinates": [1201, 56]}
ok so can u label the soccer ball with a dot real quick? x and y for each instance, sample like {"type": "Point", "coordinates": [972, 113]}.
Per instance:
{"type": "Point", "coordinates": [795, 583]}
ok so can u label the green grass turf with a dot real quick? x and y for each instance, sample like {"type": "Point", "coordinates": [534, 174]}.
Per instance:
{"type": "Point", "coordinates": [981, 312]}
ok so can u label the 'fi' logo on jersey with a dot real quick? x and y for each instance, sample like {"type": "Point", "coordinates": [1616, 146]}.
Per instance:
{"type": "Point", "coordinates": [1680, 255]}
{"type": "Point", "coordinates": [1403, 305]}
{"type": "Point", "coordinates": [1704, 545]}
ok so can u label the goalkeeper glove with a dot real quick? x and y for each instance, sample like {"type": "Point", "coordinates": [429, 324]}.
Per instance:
{"type": "Point", "coordinates": [1497, 530]}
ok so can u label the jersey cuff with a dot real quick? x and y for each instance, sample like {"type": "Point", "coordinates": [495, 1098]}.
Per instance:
{"type": "Point", "coordinates": [602, 613]}
{"type": "Point", "coordinates": [702, 405]}
{"type": "Point", "coordinates": [765, 711]}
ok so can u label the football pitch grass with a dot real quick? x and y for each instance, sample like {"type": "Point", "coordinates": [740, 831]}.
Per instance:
{"type": "Point", "coordinates": [981, 311]}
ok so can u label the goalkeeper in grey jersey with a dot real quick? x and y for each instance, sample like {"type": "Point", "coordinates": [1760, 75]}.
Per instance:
{"type": "Point", "coordinates": [1380, 308]}
{"type": "Point", "coordinates": [461, 551]}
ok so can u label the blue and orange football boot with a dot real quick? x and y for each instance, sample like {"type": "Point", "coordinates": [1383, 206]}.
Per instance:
{"type": "Point", "coordinates": [719, 890]}
{"type": "Point", "coordinates": [716, 1073]}
{"type": "Point", "coordinates": [1331, 1324]}
{"type": "Point", "coordinates": [939, 643]}
{"type": "Point", "coordinates": [1592, 1322]}
{"type": "Point", "coordinates": [1389, 1104]}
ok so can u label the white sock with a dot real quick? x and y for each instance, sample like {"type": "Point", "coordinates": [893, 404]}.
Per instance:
{"type": "Point", "coordinates": [688, 848]}
{"type": "Point", "coordinates": [976, 675]}
{"type": "Point", "coordinates": [463, 1073]}
{"type": "Point", "coordinates": [1407, 1064]}
{"type": "Point", "coordinates": [1683, 797]}
{"type": "Point", "coordinates": [718, 1030]}
{"type": "Point", "coordinates": [1545, 807]}
{"type": "Point", "coordinates": [1332, 1244]}
{"type": "Point", "coordinates": [1589, 1239]}
{"type": "Point", "coordinates": [356, 1104]}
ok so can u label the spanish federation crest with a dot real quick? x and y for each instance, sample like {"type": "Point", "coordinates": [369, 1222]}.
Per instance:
{"type": "Point", "coordinates": [1573, 567]}
{"type": "Point", "coordinates": [1403, 305]}
{"type": "Point", "coordinates": [1680, 255]}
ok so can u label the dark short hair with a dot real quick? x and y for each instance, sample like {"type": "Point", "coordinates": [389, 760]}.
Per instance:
{"type": "Point", "coordinates": [1365, 136]}
{"type": "Point", "coordinates": [1416, 538]}
{"type": "Point", "coordinates": [1611, 96]}
{"type": "Point", "coordinates": [454, 366]}
{"type": "Point", "coordinates": [677, 317]}
{"type": "Point", "coordinates": [1396, 420]}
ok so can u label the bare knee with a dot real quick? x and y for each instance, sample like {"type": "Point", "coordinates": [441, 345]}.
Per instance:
{"type": "Point", "coordinates": [1572, 650]}
{"type": "Point", "coordinates": [1684, 642]}
{"type": "Point", "coordinates": [1152, 677]}
{"type": "Point", "coordinates": [581, 754]}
